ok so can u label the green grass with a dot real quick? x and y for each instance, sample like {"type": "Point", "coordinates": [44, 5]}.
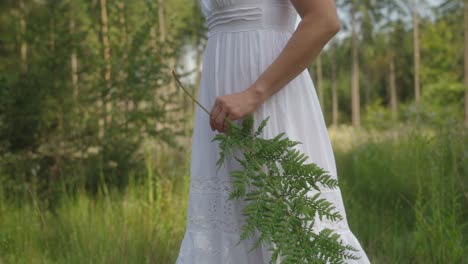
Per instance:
{"type": "Point", "coordinates": [142, 225]}
{"type": "Point", "coordinates": [406, 196]}
{"type": "Point", "coordinates": [405, 192]}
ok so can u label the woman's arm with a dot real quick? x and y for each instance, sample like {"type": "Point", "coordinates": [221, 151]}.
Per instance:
{"type": "Point", "coordinates": [318, 25]}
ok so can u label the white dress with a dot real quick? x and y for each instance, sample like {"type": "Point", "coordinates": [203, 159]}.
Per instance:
{"type": "Point", "coordinates": [244, 37]}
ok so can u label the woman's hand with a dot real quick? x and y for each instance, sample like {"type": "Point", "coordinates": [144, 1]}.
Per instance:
{"type": "Point", "coordinates": [234, 106]}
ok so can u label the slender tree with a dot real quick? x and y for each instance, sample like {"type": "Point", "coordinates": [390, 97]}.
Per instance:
{"type": "Point", "coordinates": [73, 55]}
{"type": "Point", "coordinates": [162, 21]}
{"type": "Point", "coordinates": [392, 86]}
{"type": "Point", "coordinates": [466, 60]}
{"type": "Point", "coordinates": [320, 83]}
{"type": "Point", "coordinates": [104, 102]}
{"type": "Point", "coordinates": [362, 18]}
{"type": "Point", "coordinates": [334, 86]}
{"type": "Point", "coordinates": [124, 40]}
{"type": "Point", "coordinates": [416, 48]}
{"type": "Point", "coordinates": [24, 44]}
{"type": "Point", "coordinates": [389, 8]}
{"type": "Point", "coordinates": [198, 42]}
{"type": "Point", "coordinates": [355, 104]}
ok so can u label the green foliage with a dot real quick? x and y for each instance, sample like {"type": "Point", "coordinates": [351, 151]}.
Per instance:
{"type": "Point", "coordinates": [377, 115]}
{"type": "Point", "coordinates": [276, 181]}
{"type": "Point", "coordinates": [50, 111]}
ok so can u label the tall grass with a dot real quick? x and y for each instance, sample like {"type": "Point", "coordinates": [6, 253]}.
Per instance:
{"type": "Point", "coordinates": [406, 195]}
{"type": "Point", "coordinates": [405, 192]}
{"type": "Point", "coordinates": [143, 224]}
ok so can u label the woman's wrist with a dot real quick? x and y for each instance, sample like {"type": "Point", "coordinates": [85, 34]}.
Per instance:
{"type": "Point", "coordinates": [259, 92]}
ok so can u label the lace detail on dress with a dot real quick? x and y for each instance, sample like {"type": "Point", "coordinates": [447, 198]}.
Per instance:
{"type": "Point", "coordinates": [202, 248]}
{"type": "Point", "coordinates": [212, 210]}
{"type": "Point", "coordinates": [213, 184]}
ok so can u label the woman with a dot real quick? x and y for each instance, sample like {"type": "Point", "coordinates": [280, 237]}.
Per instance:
{"type": "Point", "coordinates": [255, 62]}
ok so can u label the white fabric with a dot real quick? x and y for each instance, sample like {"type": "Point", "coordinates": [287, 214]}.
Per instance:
{"type": "Point", "coordinates": [244, 37]}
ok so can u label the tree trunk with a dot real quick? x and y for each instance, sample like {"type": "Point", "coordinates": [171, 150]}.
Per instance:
{"type": "Point", "coordinates": [334, 89]}
{"type": "Point", "coordinates": [466, 61]}
{"type": "Point", "coordinates": [416, 51]}
{"type": "Point", "coordinates": [126, 104]}
{"type": "Point", "coordinates": [59, 142]}
{"type": "Point", "coordinates": [355, 105]}
{"type": "Point", "coordinates": [52, 31]}
{"type": "Point", "coordinates": [104, 120]}
{"type": "Point", "coordinates": [320, 83]}
{"type": "Point", "coordinates": [162, 21]}
{"type": "Point", "coordinates": [392, 74]}
{"type": "Point", "coordinates": [198, 72]}
{"type": "Point", "coordinates": [392, 87]}
{"type": "Point", "coordinates": [171, 62]}
{"type": "Point", "coordinates": [154, 52]}
{"type": "Point", "coordinates": [153, 39]}
{"type": "Point", "coordinates": [73, 55]}
{"type": "Point", "coordinates": [123, 39]}
{"type": "Point", "coordinates": [24, 44]}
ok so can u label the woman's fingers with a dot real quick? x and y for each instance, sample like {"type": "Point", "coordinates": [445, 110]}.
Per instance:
{"type": "Point", "coordinates": [214, 112]}
{"type": "Point", "coordinates": [225, 123]}
{"type": "Point", "coordinates": [212, 123]}
{"type": "Point", "coordinates": [219, 120]}
{"type": "Point", "coordinates": [219, 113]}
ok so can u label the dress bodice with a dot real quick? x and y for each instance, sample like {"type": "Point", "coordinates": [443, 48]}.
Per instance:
{"type": "Point", "coordinates": [243, 15]}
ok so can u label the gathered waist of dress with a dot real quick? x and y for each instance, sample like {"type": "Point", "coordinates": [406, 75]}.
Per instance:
{"type": "Point", "coordinates": [251, 17]}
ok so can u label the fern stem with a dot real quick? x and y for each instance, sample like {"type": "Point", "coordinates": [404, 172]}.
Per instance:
{"type": "Point", "coordinates": [190, 95]}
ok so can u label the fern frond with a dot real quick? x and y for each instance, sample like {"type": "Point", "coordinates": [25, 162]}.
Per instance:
{"type": "Point", "coordinates": [275, 180]}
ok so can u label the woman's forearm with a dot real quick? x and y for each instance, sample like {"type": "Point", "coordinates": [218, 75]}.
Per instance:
{"type": "Point", "coordinates": [318, 25]}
